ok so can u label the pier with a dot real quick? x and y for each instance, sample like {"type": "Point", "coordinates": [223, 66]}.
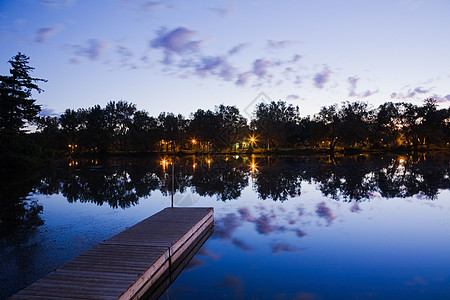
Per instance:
{"type": "Point", "coordinates": [138, 263]}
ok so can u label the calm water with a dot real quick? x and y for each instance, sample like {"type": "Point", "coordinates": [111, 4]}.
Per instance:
{"type": "Point", "coordinates": [357, 227]}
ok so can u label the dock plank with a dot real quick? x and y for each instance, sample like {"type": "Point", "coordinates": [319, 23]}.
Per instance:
{"type": "Point", "coordinates": [129, 263]}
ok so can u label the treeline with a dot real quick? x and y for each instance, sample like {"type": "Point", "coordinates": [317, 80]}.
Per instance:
{"type": "Point", "coordinates": [121, 127]}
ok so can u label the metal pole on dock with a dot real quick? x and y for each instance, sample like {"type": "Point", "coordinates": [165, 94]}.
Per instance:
{"type": "Point", "coordinates": [173, 181]}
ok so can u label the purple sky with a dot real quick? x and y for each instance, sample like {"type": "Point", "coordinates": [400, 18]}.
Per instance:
{"type": "Point", "coordinates": [177, 56]}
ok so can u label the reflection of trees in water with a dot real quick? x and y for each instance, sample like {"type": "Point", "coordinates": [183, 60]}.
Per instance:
{"type": "Point", "coordinates": [359, 177]}
{"type": "Point", "coordinates": [18, 213]}
{"type": "Point", "coordinates": [406, 176]}
{"type": "Point", "coordinates": [223, 177]}
{"type": "Point", "coordinates": [119, 183]}
{"type": "Point", "coordinates": [122, 182]}
{"type": "Point", "coordinates": [277, 179]}
{"type": "Point", "coordinates": [356, 177]}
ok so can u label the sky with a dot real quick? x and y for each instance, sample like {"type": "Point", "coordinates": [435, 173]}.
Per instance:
{"type": "Point", "coordinates": [179, 56]}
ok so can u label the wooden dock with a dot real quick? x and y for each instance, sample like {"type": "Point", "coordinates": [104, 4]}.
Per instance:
{"type": "Point", "coordinates": [137, 263]}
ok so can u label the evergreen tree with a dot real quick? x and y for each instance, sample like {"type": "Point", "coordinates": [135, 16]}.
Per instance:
{"type": "Point", "coordinates": [16, 104]}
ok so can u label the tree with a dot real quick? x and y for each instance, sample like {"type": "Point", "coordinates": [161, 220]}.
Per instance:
{"type": "Point", "coordinates": [329, 124]}
{"type": "Point", "coordinates": [233, 126]}
{"type": "Point", "coordinates": [172, 130]}
{"type": "Point", "coordinates": [274, 121]}
{"type": "Point", "coordinates": [143, 131]}
{"type": "Point", "coordinates": [354, 123]}
{"type": "Point", "coordinates": [119, 117]}
{"type": "Point", "coordinates": [204, 127]}
{"type": "Point", "coordinates": [16, 105]}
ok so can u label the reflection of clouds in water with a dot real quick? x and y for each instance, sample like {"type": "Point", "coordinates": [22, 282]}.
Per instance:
{"type": "Point", "coordinates": [225, 227]}
{"type": "Point", "coordinates": [417, 280]}
{"type": "Point", "coordinates": [325, 212]}
{"type": "Point", "coordinates": [264, 225]}
{"type": "Point", "coordinates": [245, 214]}
{"type": "Point", "coordinates": [306, 296]}
{"type": "Point", "coordinates": [199, 259]}
{"type": "Point", "coordinates": [300, 233]}
{"type": "Point", "coordinates": [234, 283]}
{"type": "Point", "coordinates": [242, 245]}
{"type": "Point", "coordinates": [282, 247]}
{"type": "Point", "coordinates": [268, 222]}
{"type": "Point", "coordinates": [355, 208]}
{"type": "Point", "coordinates": [195, 263]}
{"type": "Point", "coordinates": [206, 252]}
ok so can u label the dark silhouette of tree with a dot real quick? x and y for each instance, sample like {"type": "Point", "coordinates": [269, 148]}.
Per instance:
{"type": "Point", "coordinates": [431, 123]}
{"type": "Point", "coordinates": [274, 122]}
{"type": "Point", "coordinates": [16, 104]}
{"type": "Point", "coordinates": [354, 124]}
{"type": "Point", "coordinates": [385, 130]}
{"type": "Point", "coordinates": [328, 125]}
{"type": "Point", "coordinates": [172, 130]}
{"type": "Point", "coordinates": [49, 132]}
{"type": "Point", "coordinates": [143, 132]}
{"type": "Point", "coordinates": [204, 127]}
{"type": "Point", "coordinates": [95, 134]}
{"type": "Point", "coordinates": [233, 126]}
{"type": "Point", "coordinates": [119, 118]}
{"type": "Point", "coordinates": [71, 123]}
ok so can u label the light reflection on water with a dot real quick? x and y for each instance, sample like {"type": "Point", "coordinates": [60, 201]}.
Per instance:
{"type": "Point", "coordinates": [385, 237]}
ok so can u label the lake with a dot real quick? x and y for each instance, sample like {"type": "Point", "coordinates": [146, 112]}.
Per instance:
{"type": "Point", "coordinates": [286, 227]}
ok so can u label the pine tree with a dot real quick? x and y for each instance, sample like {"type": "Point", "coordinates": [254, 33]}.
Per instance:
{"type": "Point", "coordinates": [16, 105]}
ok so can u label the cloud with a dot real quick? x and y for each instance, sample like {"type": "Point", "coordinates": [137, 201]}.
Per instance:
{"type": "Point", "coordinates": [50, 112]}
{"type": "Point", "coordinates": [57, 3]}
{"type": "Point", "coordinates": [154, 5]}
{"type": "Point", "coordinates": [411, 93]}
{"type": "Point", "coordinates": [260, 67]}
{"type": "Point", "coordinates": [353, 81]}
{"type": "Point", "coordinates": [321, 78]}
{"type": "Point", "coordinates": [214, 65]}
{"type": "Point", "coordinates": [243, 78]}
{"type": "Point", "coordinates": [43, 34]}
{"type": "Point", "coordinates": [125, 56]}
{"type": "Point", "coordinates": [441, 99]}
{"type": "Point", "coordinates": [293, 97]}
{"type": "Point", "coordinates": [177, 41]}
{"type": "Point", "coordinates": [92, 49]}
{"type": "Point", "coordinates": [224, 11]}
{"type": "Point", "coordinates": [325, 212]}
{"type": "Point", "coordinates": [412, 4]}
{"type": "Point", "coordinates": [148, 6]}
{"type": "Point", "coordinates": [271, 44]}
{"type": "Point", "coordinates": [238, 48]}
